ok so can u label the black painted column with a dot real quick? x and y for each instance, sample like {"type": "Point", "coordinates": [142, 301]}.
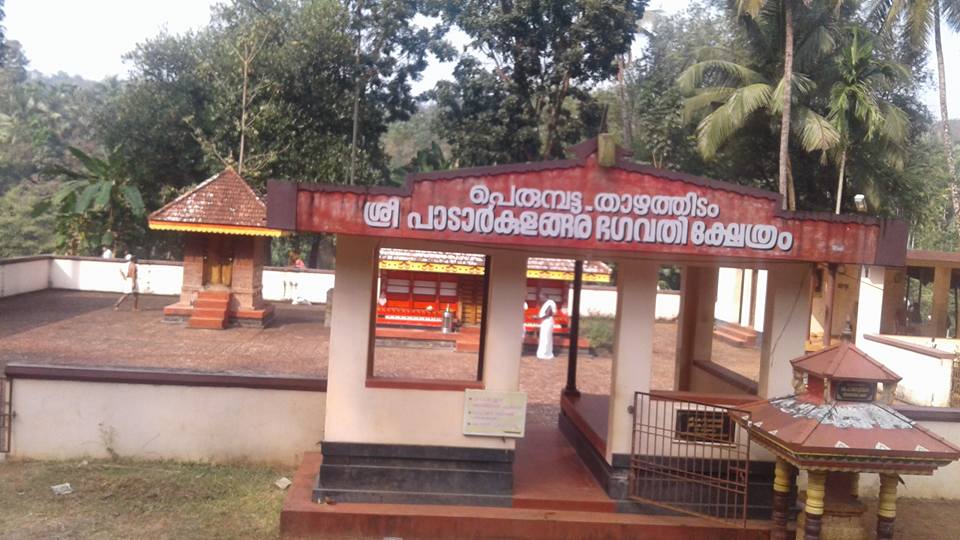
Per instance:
{"type": "Point", "coordinates": [573, 348]}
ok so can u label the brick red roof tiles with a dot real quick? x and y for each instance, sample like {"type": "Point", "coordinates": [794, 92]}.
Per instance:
{"type": "Point", "coordinates": [225, 199]}
{"type": "Point", "coordinates": [845, 362]}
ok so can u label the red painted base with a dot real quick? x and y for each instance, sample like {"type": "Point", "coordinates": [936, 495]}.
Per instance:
{"type": "Point", "coordinates": [301, 517]}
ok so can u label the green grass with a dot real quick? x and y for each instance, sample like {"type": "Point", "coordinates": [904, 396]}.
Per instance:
{"type": "Point", "coordinates": [599, 331]}
{"type": "Point", "coordinates": [132, 499]}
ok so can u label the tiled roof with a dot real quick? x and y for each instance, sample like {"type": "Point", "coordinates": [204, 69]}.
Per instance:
{"type": "Point", "coordinates": [475, 259]}
{"type": "Point", "coordinates": [225, 199]}
{"type": "Point", "coordinates": [871, 430]}
{"type": "Point", "coordinates": [844, 361]}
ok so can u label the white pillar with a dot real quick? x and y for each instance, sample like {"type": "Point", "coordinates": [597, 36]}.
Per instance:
{"type": "Point", "coordinates": [786, 316]}
{"type": "Point", "coordinates": [870, 301]}
{"type": "Point", "coordinates": [632, 348]}
{"type": "Point", "coordinates": [503, 346]}
{"type": "Point", "coordinates": [350, 334]}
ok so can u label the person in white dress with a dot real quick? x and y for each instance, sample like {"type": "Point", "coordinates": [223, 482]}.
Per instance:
{"type": "Point", "coordinates": [548, 308]}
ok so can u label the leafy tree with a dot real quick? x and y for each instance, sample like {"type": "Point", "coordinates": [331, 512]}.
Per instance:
{"type": "Point", "coordinates": [94, 197]}
{"type": "Point", "coordinates": [530, 96]}
{"type": "Point", "coordinates": [732, 92]}
{"type": "Point", "coordinates": [857, 108]}
{"type": "Point", "coordinates": [919, 16]}
{"type": "Point", "coordinates": [2, 34]}
{"type": "Point", "coordinates": [784, 12]}
{"type": "Point", "coordinates": [23, 232]}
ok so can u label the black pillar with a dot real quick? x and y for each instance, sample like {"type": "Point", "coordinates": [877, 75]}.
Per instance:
{"type": "Point", "coordinates": [571, 388]}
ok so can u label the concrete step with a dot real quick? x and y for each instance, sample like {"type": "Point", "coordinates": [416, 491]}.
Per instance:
{"type": "Point", "coordinates": [210, 313]}
{"type": "Point", "coordinates": [210, 323]}
{"type": "Point", "coordinates": [737, 336]}
{"type": "Point", "coordinates": [214, 295]}
{"type": "Point", "coordinates": [744, 331]}
{"type": "Point", "coordinates": [211, 303]}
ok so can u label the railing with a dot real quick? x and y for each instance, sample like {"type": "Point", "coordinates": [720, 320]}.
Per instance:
{"type": "Point", "coordinates": [6, 414]}
{"type": "Point", "coordinates": [690, 457]}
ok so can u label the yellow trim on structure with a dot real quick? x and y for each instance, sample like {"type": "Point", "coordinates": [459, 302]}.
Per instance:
{"type": "Point", "coordinates": [443, 268]}
{"type": "Point", "coordinates": [466, 269]}
{"type": "Point", "coordinates": [219, 229]}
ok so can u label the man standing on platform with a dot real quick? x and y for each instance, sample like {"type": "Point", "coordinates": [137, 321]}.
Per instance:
{"type": "Point", "coordinates": [548, 308]}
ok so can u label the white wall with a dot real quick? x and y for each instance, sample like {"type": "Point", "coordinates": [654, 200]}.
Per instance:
{"type": "Point", "coordinates": [104, 275]}
{"type": "Point", "coordinates": [602, 302]}
{"type": "Point", "coordinates": [156, 277]}
{"type": "Point", "coordinates": [76, 419]}
{"type": "Point", "coordinates": [23, 276]}
{"type": "Point", "coordinates": [283, 284]}
{"type": "Point", "coordinates": [729, 282]}
{"type": "Point", "coordinates": [926, 378]}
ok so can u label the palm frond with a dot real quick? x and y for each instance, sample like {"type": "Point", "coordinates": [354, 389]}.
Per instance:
{"type": "Point", "coordinates": [703, 98]}
{"type": "Point", "coordinates": [728, 74]}
{"type": "Point", "coordinates": [716, 127]}
{"type": "Point", "coordinates": [815, 132]}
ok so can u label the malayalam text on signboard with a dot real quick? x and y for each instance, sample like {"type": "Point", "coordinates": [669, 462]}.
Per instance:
{"type": "Point", "coordinates": [494, 414]}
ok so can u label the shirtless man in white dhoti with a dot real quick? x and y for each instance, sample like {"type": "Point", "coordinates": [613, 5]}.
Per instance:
{"type": "Point", "coordinates": [548, 308]}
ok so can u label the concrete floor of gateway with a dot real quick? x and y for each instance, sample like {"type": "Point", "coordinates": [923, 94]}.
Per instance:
{"type": "Point", "coordinates": [81, 329]}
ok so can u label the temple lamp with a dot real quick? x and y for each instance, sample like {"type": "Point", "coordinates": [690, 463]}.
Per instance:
{"type": "Point", "coordinates": [860, 202]}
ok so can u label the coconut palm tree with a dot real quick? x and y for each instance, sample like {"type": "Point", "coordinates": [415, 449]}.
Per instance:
{"type": "Point", "coordinates": [786, 9]}
{"type": "Point", "coordinates": [856, 107]}
{"type": "Point", "coordinates": [733, 91]}
{"type": "Point", "coordinates": [919, 18]}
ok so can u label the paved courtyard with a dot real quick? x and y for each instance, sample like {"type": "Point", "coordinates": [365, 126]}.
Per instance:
{"type": "Point", "coordinates": [81, 329]}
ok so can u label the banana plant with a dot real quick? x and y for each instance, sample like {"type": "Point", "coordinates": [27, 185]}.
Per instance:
{"type": "Point", "coordinates": [97, 193]}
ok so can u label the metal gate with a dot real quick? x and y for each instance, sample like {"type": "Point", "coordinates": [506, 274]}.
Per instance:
{"type": "Point", "coordinates": [690, 457]}
{"type": "Point", "coordinates": [6, 415]}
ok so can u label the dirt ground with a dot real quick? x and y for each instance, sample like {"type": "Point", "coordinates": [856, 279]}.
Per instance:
{"type": "Point", "coordinates": [80, 328]}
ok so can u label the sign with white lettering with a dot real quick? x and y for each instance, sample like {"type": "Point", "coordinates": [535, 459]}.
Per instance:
{"type": "Point", "coordinates": [580, 206]}
{"type": "Point", "coordinates": [611, 217]}
{"type": "Point", "coordinates": [494, 414]}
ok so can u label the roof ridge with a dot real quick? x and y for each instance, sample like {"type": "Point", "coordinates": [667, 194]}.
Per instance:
{"type": "Point", "coordinates": [185, 194]}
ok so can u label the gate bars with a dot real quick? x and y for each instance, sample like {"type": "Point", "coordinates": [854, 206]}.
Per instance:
{"type": "Point", "coordinates": [690, 457]}
{"type": "Point", "coordinates": [6, 414]}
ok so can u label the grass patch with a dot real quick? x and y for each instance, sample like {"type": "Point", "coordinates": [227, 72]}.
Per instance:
{"type": "Point", "coordinates": [135, 499]}
{"type": "Point", "coordinates": [599, 331]}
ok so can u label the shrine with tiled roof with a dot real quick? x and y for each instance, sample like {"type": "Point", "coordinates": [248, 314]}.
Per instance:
{"type": "Point", "coordinates": [841, 423]}
{"type": "Point", "coordinates": [225, 248]}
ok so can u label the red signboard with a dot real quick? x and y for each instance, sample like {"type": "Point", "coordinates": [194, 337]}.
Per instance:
{"type": "Point", "coordinates": [577, 204]}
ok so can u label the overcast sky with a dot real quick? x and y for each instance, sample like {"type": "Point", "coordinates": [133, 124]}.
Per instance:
{"type": "Point", "coordinates": [89, 37]}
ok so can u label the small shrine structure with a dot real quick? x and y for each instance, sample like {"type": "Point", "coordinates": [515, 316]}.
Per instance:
{"type": "Point", "coordinates": [226, 245]}
{"type": "Point", "coordinates": [839, 424]}
{"type": "Point", "coordinates": [417, 286]}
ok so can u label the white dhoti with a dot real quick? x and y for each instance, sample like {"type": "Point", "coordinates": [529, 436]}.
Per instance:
{"type": "Point", "coordinates": [545, 341]}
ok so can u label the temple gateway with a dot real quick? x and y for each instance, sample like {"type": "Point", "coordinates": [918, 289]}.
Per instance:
{"type": "Point", "coordinates": [442, 437]}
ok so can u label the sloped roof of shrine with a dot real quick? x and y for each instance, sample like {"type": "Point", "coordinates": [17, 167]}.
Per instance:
{"type": "Point", "coordinates": [224, 203]}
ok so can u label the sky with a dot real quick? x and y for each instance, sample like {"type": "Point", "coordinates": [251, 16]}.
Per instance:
{"type": "Point", "coordinates": [90, 37]}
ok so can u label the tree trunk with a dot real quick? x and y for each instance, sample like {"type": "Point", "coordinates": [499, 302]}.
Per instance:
{"type": "Point", "coordinates": [944, 116]}
{"type": "Point", "coordinates": [314, 255]}
{"type": "Point", "coordinates": [356, 96]}
{"type": "Point", "coordinates": [787, 98]}
{"type": "Point", "coordinates": [554, 119]}
{"type": "Point", "coordinates": [626, 113]}
{"type": "Point", "coordinates": [243, 114]}
{"type": "Point", "coordinates": [843, 166]}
